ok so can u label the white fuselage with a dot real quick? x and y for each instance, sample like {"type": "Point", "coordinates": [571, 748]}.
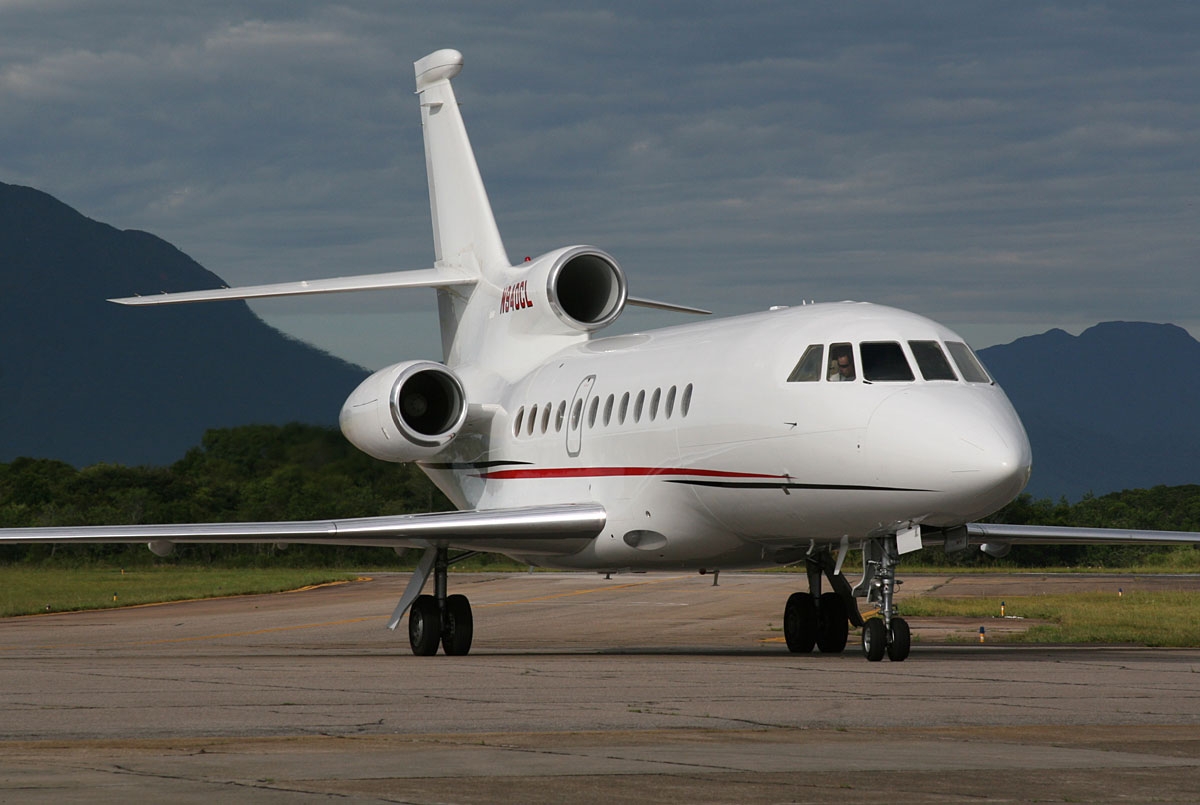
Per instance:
{"type": "Point", "coordinates": [704, 453]}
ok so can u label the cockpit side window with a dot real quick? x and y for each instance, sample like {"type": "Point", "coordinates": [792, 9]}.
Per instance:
{"type": "Point", "coordinates": [884, 361]}
{"type": "Point", "coordinates": [931, 360]}
{"type": "Point", "coordinates": [968, 365]}
{"type": "Point", "coordinates": [841, 363]}
{"type": "Point", "coordinates": [809, 367]}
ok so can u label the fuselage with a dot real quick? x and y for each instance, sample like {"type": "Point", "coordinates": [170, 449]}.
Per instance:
{"type": "Point", "coordinates": [738, 442]}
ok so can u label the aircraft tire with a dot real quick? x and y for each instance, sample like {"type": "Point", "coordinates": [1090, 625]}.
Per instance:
{"type": "Point", "coordinates": [460, 628]}
{"type": "Point", "coordinates": [833, 628]}
{"type": "Point", "coordinates": [874, 639]}
{"type": "Point", "coordinates": [800, 623]}
{"type": "Point", "coordinates": [900, 641]}
{"type": "Point", "coordinates": [424, 626]}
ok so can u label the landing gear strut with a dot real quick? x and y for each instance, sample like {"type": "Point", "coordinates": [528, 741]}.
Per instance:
{"type": "Point", "coordinates": [820, 619]}
{"type": "Point", "coordinates": [437, 619]}
{"type": "Point", "coordinates": [886, 633]}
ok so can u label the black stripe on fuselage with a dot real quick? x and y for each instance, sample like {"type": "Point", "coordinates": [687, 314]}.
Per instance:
{"type": "Point", "coordinates": [471, 465]}
{"type": "Point", "coordinates": [789, 486]}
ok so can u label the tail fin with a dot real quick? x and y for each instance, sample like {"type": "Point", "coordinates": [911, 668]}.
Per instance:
{"type": "Point", "coordinates": [464, 231]}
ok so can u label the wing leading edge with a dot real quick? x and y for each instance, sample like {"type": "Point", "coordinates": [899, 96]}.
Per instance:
{"type": "Point", "coordinates": [421, 278]}
{"type": "Point", "coordinates": [1071, 535]}
{"type": "Point", "coordinates": [532, 529]}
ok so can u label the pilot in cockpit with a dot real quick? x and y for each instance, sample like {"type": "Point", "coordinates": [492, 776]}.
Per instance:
{"type": "Point", "coordinates": [841, 363]}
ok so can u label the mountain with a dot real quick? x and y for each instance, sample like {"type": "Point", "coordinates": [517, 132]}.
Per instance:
{"type": "Point", "coordinates": [85, 381]}
{"type": "Point", "coordinates": [1110, 409]}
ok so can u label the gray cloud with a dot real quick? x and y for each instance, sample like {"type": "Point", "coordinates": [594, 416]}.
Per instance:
{"type": "Point", "coordinates": [1002, 169]}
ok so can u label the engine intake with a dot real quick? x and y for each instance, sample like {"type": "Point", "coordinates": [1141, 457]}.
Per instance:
{"type": "Point", "coordinates": [405, 412]}
{"type": "Point", "coordinates": [583, 287]}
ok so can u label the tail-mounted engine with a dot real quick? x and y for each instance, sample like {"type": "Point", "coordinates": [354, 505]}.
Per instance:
{"type": "Point", "coordinates": [405, 412]}
{"type": "Point", "coordinates": [577, 289]}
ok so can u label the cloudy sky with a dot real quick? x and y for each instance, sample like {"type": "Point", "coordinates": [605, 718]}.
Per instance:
{"type": "Point", "coordinates": [1003, 168]}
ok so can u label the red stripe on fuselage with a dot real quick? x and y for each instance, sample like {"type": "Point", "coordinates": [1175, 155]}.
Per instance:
{"type": "Point", "coordinates": [608, 472]}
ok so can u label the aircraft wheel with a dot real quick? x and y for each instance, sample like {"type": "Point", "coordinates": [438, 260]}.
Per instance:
{"type": "Point", "coordinates": [833, 627]}
{"type": "Point", "coordinates": [800, 623]}
{"type": "Point", "coordinates": [459, 626]}
{"type": "Point", "coordinates": [900, 642]}
{"type": "Point", "coordinates": [874, 639]}
{"type": "Point", "coordinates": [424, 626]}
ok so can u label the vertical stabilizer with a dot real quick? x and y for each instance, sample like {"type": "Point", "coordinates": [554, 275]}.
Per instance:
{"type": "Point", "coordinates": [464, 231]}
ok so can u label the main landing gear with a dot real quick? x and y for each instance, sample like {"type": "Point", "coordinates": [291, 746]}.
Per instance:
{"type": "Point", "coordinates": [437, 619]}
{"type": "Point", "coordinates": [822, 619]}
{"type": "Point", "coordinates": [887, 633]}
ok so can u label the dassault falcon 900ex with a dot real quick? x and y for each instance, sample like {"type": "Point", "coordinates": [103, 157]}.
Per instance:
{"type": "Point", "coordinates": [760, 440]}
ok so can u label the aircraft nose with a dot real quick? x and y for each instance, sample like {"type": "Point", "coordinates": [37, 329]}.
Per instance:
{"type": "Point", "coordinates": [967, 444]}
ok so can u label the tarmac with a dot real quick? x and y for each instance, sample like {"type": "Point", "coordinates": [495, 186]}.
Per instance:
{"type": "Point", "coordinates": [639, 688]}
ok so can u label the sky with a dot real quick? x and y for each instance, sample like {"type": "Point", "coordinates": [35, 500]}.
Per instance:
{"type": "Point", "coordinates": [1002, 168]}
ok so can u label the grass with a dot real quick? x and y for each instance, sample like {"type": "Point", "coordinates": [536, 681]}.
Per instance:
{"type": "Point", "coordinates": [1140, 618]}
{"type": "Point", "coordinates": [27, 590]}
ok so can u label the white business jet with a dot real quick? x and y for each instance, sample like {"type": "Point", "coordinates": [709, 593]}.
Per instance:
{"type": "Point", "coordinates": [761, 440]}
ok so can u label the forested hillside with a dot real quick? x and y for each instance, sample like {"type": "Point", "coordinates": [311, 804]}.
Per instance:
{"type": "Point", "coordinates": [303, 472]}
{"type": "Point", "coordinates": [259, 472]}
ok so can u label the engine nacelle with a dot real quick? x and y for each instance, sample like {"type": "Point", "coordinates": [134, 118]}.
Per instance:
{"type": "Point", "coordinates": [571, 290]}
{"type": "Point", "coordinates": [405, 412]}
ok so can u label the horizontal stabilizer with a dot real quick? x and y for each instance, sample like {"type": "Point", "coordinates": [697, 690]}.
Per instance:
{"type": "Point", "coordinates": [422, 278]}
{"type": "Point", "coordinates": [638, 302]}
{"type": "Point", "coordinates": [474, 529]}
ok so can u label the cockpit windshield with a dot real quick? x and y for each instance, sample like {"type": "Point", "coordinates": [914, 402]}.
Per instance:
{"type": "Point", "coordinates": [972, 371]}
{"type": "Point", "coordinates": [884, 361]}
{"type": "Point", "coordinates": [888, 362]}
{"type": "Point", "coordinates": [809, 367]}
{"type": "Point", "coordinates": [841, 363]}
{"type": "Point", "coordinates": [931, 360]}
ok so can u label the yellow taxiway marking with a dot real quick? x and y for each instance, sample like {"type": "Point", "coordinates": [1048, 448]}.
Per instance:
{"type": "Point", "coordinates": [588, 591]}
{"type": "Point", "coordinates": [255, 631]}
{"type": "Point", "coordinates": [374, 617]}
{"type": "Point", "coordinates": [380, 617]}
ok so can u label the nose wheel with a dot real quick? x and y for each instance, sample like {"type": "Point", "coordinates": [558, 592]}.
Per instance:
{"type": "Point", "coordinates": [879, 639]}
{"type": "Point", "coordinates": [888, 633]}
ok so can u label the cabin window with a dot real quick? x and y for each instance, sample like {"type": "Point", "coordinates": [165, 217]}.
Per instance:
{"type": "Point", "coordinates": [884, 361]}
{"type": "Point", "coordinates": [546, 417]}
{"type": "Point", "coordinates": [608, 409]}
{"type": "Point", "coordinates": [654, 398]}
{"type": "Point", "coordinates": [560, 415]}
{"type": "Point", "coordinates": [517, 422]}
{"type": "Point", "coordinates": [670, 402]}
{"type": "Point", "coordinates": [931, 360]}
{"type": "Point", "coordinates": [533, 412]}
{"type": "Point", "coordinates": [576, 414]}
{"type": "Point", "coordinates": [968, 365]}
{"type": "Point", "coordinates": [809, 367]}
{"type": "Point", "coordinates": [637, 405]}
{"type": "Point", "coordinates": [841, 363]}
{"type": "Point", "coordinates": [592, 410]}
{"type": "Point", "coordinates": [624, 408]}
{"type": "Point", "coordinates": [685, 402]}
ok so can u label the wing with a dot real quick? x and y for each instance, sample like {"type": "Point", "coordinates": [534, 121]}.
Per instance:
{"type": "Point", "coordinates": [995, 533]}
{"type": "Point", "coordinates": [555, 529]}
{"type": "Point", "coordinates": [422, 278]}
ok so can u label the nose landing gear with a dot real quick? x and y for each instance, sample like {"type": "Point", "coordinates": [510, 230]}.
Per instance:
{"type": "Point", "coordinates": [886, 633]}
